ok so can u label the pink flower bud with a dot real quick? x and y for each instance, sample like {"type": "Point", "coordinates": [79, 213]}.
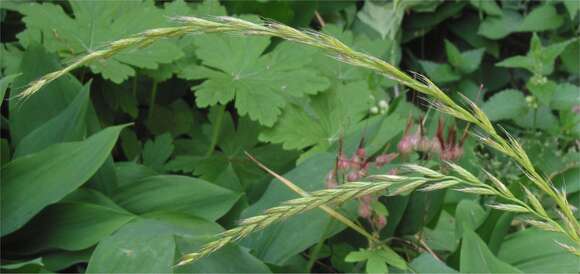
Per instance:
{"type": "Point", "coordinates": [380, 222]}
{"type": "Point", "coordinates": [414, 140]}
{"type": "Point", "coordinates": [405, 146]}
{"type": "Point", "coordinates": [367, 199]}
{"type": "Point", "coordinates": [424, 145]}
{"type": "Point", "coordinates": [386, 158]}
{"type": "Point", "coordinates": [364, 210]}
{"type": "Point", "coordinates": [363, 172]}
{"type": "Point", "coordinates": [352, 176]}
{"type": "Point", "coordinates": [457, 152]}
{"type": "Point", "coordinates": [343, 162]}
{"type": "Point", "coordinates": [435, 146]}
{"type": "Point", "coordinates": [361, 152]}
{"type": "Point", "coordinates": [446, 155]}
{"type": "Point", "coordinates": [355, 162]}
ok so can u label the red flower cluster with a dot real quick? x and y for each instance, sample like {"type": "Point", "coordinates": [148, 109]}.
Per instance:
{"type": "Point", "coordinates": [448, 149]}
{"type": "Point", "coordinates": [350, 169]}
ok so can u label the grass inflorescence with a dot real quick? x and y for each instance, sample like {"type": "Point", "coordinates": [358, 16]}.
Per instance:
{"type": "Point", "coordinates": [471, 113]}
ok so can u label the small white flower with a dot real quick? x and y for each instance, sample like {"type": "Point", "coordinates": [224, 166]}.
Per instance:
{"type": "Point", "coordinates": [383, 104]}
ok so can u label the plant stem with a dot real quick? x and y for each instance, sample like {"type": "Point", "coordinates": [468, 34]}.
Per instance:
{"type": "Point", "coordinates": [318, 247]}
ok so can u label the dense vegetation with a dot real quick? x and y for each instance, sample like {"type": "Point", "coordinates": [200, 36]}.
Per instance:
{"type": "Point", "coordinates": [135, 131]}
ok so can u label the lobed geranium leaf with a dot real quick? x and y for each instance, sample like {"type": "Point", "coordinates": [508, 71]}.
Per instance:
{"type": "Point", "coordinates": [260, 84]}
{"type": "Point", "coordinates": [94, 24]}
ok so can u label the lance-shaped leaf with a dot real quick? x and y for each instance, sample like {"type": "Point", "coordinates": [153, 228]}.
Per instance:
{"type": "Point", "coordinates": [32, 182]}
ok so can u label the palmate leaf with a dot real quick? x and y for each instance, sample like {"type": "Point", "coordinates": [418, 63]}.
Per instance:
{"type": "Point", "coordinates": [322, 120]}
{"type": "Point", "coordinates": [260, 85]}
{"type": "Point", "coordinates": [94, 24]}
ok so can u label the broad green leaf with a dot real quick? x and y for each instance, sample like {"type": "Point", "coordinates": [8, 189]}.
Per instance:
{"type": "Point", "coordinates": [571, 57]}
{"type": "Point", "coordinates": [176, 193]}
{"type": "Point", "coordinates": [280, 241]}
{"type": "Point", "coordinates": [130, 172]}
{"type": "Point", "coordinates": [191, 233]}
{"type": "Point", "coordinates": [476, 257]}
{"type": "Point", "coordinates": [539, 59]}
{"type": "Point", "coordinates": [153, 244]}
{"type": "Point", "coordinates": [141, 246]}
{"type": "Point", "coordinates": [426, 263]}
{"type": "Point", "coordinates": [157, 152]}
{"type": "Point", "coordinates": [468, 215]}
{"type": "Point", "coordinates": [95, 23]}
{"type": "Point", "coordinates": [498, 27]}
{"type": "Point", "coordinates": [261, 85]}
{"type": "Point", "coordinates": [518, 62]}
{"type": "Point", "coordinates": [376, 264]}
{"type": "Point", "coordinates": [542, 89]}
{"type": "Point", "coordinates": [384, 18]}
{"type": "Point", "coordinates": [537, 251]}
{"type": "Point", "coordinates": [32, 182]}
{"type": "Point", "coordinates": [72, 224]}
{"type": "Point", "coordinates": [442, 236]}
{"type": "Point", "coordinates": [494, 229]}
{"type": "Point", "coordinates": [506, 104]}
{"type": "Point", "coordinates": [29, 114]}
{"type": "Point", "coordinates": [467, 61]}
{"type": "Point", "coordinates": [542, 18]}
{"type": "Point", "coordinates": [441, 73]}
{"type": "Point", "coordinates": [5, 82]}
{"type": "Point", "coordinates": [421, 209]}
{"type": "Point", "coordinates": [4, 151]}
{"type": "Point", "coordinates": [131, 145]}
{"type": "Point", "coordinates": [489, 7]}
{"type": "Point", "coordinates": [27, 266]}
{"type": "Point", "coordinates": [540, 118]}
{"type": "Point", "coordinates": [572, 6]}
{"type": "Point", "coordinates": [68, 126]}
{"type": "Point", "coordinates": [569, 180]}
{"type": "Point", "coordinates": [565, 97]}
{"type": "Point", "coordinates": [59, 260]}
{"type": "Point", "coordinates": [229, 259]}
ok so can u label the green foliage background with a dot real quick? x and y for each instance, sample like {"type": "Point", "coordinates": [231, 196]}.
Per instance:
{"type": "Point", "coordinates": [132, 161]}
